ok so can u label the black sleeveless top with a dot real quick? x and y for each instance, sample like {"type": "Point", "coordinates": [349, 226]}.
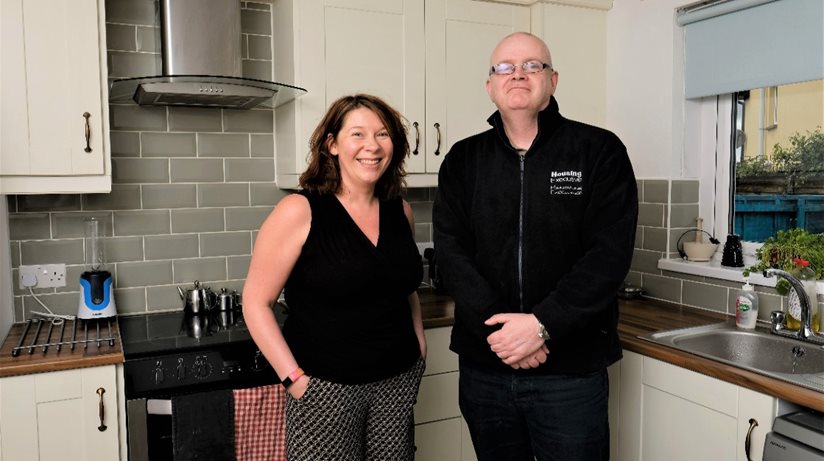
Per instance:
{"type": "Point", "coordinates": [349, 316]}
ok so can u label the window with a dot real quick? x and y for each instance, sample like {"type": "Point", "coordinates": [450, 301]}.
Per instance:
{"type": "Point", "coordinates": [778, 160]}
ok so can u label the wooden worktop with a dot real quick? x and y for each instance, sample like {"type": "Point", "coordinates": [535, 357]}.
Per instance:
{"type": "Point", "coordinates": [64, 359]}
{"type": "Point", "coordinates": [641, 316]}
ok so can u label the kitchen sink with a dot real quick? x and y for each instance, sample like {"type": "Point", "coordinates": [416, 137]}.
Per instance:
{"type": "Point", "coordinates": [756, 350]}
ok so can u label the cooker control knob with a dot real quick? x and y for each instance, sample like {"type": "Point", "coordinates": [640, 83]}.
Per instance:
{"type": "Point", "coordinates": [201, 368]}
{"type": "Point", "coordinates": [158, 372]}
{"type": "Point", "coordinates": [259, 363]}
{"type": "Point", "coordinates": [181, 370]}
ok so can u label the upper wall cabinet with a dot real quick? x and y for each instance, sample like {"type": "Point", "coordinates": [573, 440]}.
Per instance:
{"type": "Point", "coordinates": [428, 59]}
{"type": "Point", "coordinates": [53, 87]}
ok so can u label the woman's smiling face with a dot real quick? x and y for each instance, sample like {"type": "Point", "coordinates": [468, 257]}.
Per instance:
{"type": "Point", "coordinates": [363, 147]}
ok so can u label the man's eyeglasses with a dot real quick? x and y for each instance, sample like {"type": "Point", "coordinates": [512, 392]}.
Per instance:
{"type": "Point", "coordinates": [529, 67]}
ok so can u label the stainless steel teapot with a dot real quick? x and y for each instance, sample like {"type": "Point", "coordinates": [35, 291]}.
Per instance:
{"type": "Point", "coordinates": [197, 300]}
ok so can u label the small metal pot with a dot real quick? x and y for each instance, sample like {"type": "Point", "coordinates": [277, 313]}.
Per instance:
{"type": "Point", "coordinates": [226, 300]}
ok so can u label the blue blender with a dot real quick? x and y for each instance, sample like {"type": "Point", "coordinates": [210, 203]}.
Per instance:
{"type": "Point", "coordinates": [96, 284]}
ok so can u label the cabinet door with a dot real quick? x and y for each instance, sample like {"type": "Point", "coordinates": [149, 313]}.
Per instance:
{"type": "Point", "coordinates": [460, 36]}
{"type": "Point", "coordinates": [56, 416]}
{"type": "Point", "coordinates": [51, 77]}
{"type": "Point", "coordinates": [438, 441]}
{"type": "Point", "coordinates": [343, 47]}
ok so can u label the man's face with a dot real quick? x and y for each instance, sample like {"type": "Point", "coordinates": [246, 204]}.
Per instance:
{"type": "Point", "coordinates": [521, 90]}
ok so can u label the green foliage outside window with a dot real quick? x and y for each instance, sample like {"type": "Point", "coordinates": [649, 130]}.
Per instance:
{"type": "Point", "coordinates": [803, 159]}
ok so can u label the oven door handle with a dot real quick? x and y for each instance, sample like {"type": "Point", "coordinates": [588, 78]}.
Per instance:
{"type": "Point", "coordinates": [159, 407]}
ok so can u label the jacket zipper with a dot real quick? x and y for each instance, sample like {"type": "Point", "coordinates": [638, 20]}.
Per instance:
{"type": "Point", "coordinates": [521, 238]}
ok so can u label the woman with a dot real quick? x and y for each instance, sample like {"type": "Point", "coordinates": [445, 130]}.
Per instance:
{"type": "Point", "coordinates": [352, 350]}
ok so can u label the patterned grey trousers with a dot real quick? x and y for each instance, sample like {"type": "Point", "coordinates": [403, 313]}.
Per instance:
{"type": "Point", "coordinates": [362, 422]}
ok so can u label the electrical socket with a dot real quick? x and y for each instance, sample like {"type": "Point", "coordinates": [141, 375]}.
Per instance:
{"type": "Point", "coordinates": [42, 276]}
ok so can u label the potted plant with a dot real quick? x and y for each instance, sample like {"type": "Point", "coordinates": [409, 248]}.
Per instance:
{"type": "Point", "coordinates": [780, 251]}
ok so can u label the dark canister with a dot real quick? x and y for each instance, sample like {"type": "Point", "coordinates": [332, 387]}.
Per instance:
{"type": "Point", "coordinates": [733, 255]}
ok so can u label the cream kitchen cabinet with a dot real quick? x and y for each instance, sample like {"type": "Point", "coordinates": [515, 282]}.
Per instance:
{"type": "Point", "coordinates": [440, 433]}
{"type": "Point", "coordinates": [59, 415]}
{"type": "Point", "coordinates": [669, 412]}
{"type": "Point", "coordinates": [427, 58]}
{"type": "Point", "coordinates": [53, 87]}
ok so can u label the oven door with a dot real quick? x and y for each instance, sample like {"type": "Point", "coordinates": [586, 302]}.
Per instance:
{"type": "Point", "coordinates": [149, 428]}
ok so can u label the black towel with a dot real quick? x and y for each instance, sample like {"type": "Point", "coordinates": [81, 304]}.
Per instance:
{"type": "Point", "coordinates": [203, 426]}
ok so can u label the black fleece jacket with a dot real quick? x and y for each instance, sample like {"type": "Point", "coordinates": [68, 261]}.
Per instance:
{"type": "Point", "coordinates": [550, 232]}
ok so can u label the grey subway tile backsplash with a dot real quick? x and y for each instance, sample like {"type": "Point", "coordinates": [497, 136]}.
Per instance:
{"type": "Point", "coordinates": [49, 202]}
{"type": "Point", "coordinates": [225, 243]}
{"type": "Point", "coordinates": [259, 47]}
{"type": "Point", "coordinates": [667, 289]}
{"type": "Point", "coordinates": [130, 300]}
{"type": "Point", "coordinates": [122, 64]}
{"type": "Point", "coordinates": [120, 249]}
{"type": "Point", "coordinates": [248, 121]}
{"type": "Point", "coordinates": [260, 70]}
{"type": "Point", "coordinates": [706, 296]}
{"type": "Point", "coordinates": [237, 266]}
{"type": "Point", "coordinates": [222, 195]}
{"type": "Point", "coordinates": [73, 225]}
{"type": "Point", "coordinates": [168, 145]}
{"type": "Point", "coordinates": [30, 226]}
{"type": "Point", "coordinates": [143, 12]}
{"type": "Point", "coordinates": [169, 196]}
{"type": "Point", "coordinates": [163, 298]}
{"type": "Point", "coordinates": [194, 119]}
{"type": "Point", "coordinates": [172, 246]}
{"type": "Point", "coordinates": [125, 143]}
{"type": "Point", "coordinates": [655, 239]}
{"type": "Point", "coordinates": [122, 197]}
{"type": "Point", "coordinates": [197, 220]}
{"type": "Point", "coordinates": [146, 222]}
{"type": "Point", "coordinates": [139, 171]}
{"type": "Point", "coordinates": [683, 215]}
{"type": "Point", "coordinates": [52, 251]}
{"type": "Point", "coordinates": [250, 170]}
{"type": "Point", "coordinates": [266, 194]}
{"type": "Point", "coordinates": [120, 37]}
{"type": "Point", "coordinates": [242, 218]}
{"type": "Point", "coordinates": [144, 273]}
{"type": "Point", "coordinates": [196, 170]}
{"type": "Point", "coordinates": [262, 145]}
{"type": "Point", "coordinates": [684, 191]}
{"type": "Point", "coordinates": [148, 39]}
{"type": "Point", "coordinates": [256, 22]}
{"type": "Point", "coordinates": [651, 214]}
{"type": "Point", "coordinates": [137, 118]}
{"type": "Point", "coordinates": [656, 191]}
{"type": "Point", "coordinates": [223, 145]}
{"type": "Point", "coordinates": [202, 269]}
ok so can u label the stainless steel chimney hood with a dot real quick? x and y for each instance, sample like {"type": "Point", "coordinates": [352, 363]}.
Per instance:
{"type": "Point", "coordinates": [202, 67]}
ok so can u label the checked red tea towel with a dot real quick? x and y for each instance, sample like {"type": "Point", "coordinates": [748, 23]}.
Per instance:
{"type": "Point", "coordinates": [260, 423]}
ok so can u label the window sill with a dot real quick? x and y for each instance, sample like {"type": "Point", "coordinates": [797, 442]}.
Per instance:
{"type": "Point", "coordinates": [713, 269]}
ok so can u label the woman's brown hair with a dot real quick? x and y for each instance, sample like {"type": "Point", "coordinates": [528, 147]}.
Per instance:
{"type": "Point", "coordinates": [323, 173]}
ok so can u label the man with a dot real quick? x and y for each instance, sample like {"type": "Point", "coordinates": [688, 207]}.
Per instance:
{"type": "Point", "coordinates": [534, 229]}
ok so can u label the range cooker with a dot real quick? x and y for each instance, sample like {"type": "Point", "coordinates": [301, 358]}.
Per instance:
{"type": "Point", "coordinates": [174, 353]}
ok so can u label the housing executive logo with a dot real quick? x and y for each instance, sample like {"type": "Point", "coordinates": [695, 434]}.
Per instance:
{"type": "Point", "coordinates": [565, 183]}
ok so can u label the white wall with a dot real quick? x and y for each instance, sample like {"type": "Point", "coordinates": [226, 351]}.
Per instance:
{"type": "Point", "coordinates": [577, 39]}
{"type": "Point", "coordinates": [645, 103]}
{"type": "Point", "coordinates": [6, 301]}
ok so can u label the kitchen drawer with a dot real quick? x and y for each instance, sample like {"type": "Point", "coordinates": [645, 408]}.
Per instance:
{"type": "Point", "coordinates": [438, 398]}
{"type": "Point", "coordinates": [439, 359]}
{"type": "Point", "coordinates": [695, 387]}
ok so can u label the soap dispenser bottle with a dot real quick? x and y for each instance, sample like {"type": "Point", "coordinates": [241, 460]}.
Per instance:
{"type": "Point", "coordinates": [746, 306]}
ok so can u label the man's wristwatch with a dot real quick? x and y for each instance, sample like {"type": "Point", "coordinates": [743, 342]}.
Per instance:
{"type": "Point", "coordinates": [544, 335]}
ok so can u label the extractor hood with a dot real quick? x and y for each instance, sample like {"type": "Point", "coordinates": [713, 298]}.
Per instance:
{"type": "Point", "coordinates": [202, 67]}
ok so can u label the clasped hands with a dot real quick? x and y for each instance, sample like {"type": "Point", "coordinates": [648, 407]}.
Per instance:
{"type": "Point", "coordinates": [517, 343]}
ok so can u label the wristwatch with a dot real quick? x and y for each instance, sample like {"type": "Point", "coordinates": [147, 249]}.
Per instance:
{"type": "Point", "coordinates": [544, 335]}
